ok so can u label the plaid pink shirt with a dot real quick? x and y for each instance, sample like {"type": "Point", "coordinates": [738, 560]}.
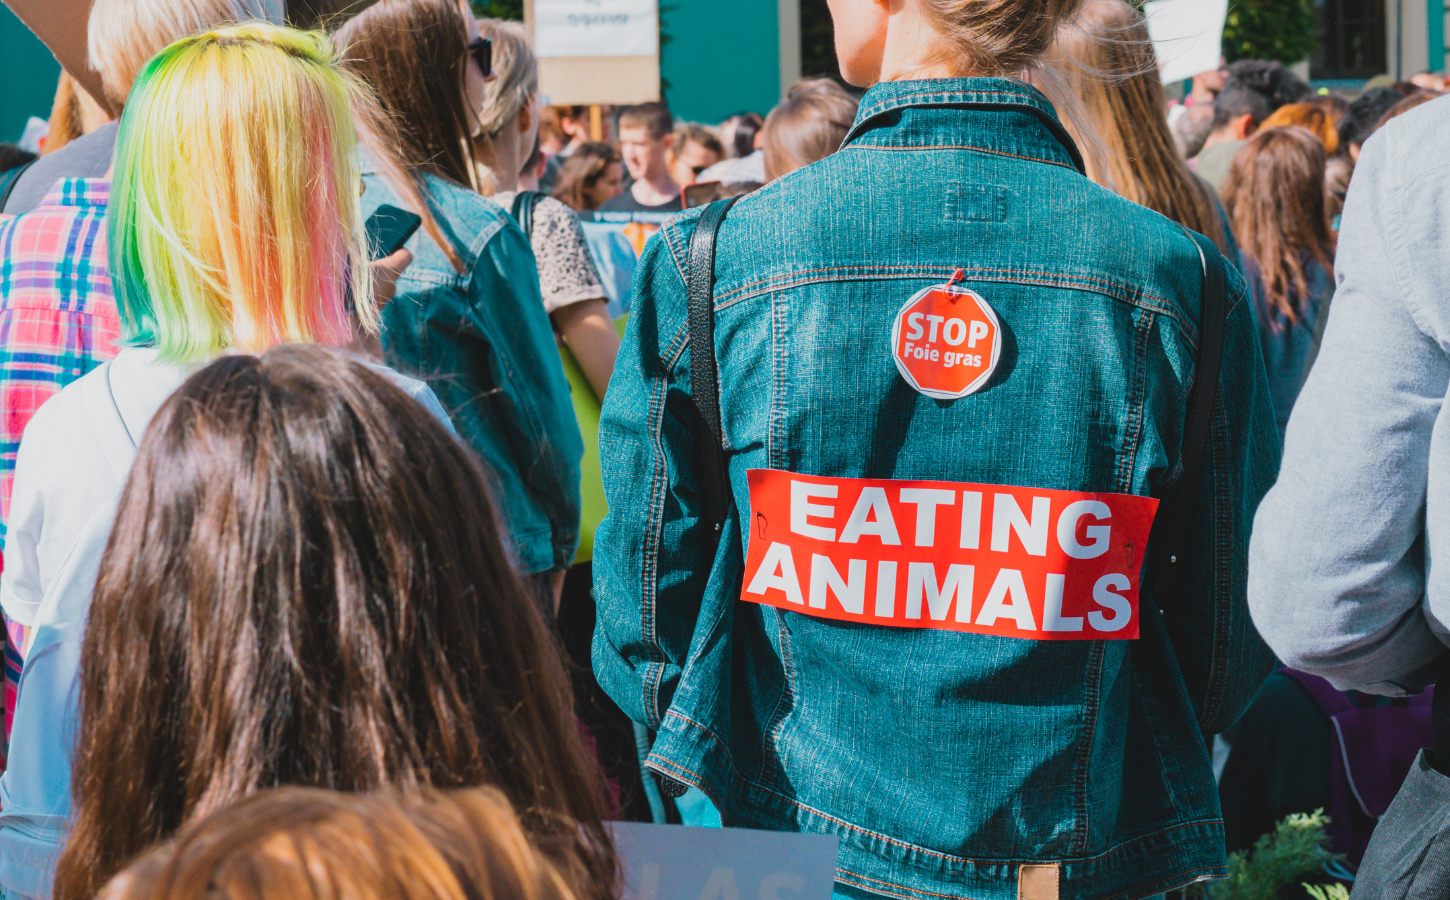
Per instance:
{"type": "Point", "coordinates": [57, 322]}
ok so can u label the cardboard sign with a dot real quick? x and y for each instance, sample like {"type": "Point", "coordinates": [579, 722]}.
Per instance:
{"type": "Point", "coordinates": [675, 862]}
{"type": "Point", "coordinates": [946, 341]}
{"type": "Point", "coordinates": [579, 66]}
{"type": "Point", "coordinates": [1187, 36]}
{"type": "Point", "coordinates": [596, 28]}
{"type": "Point", "coordinates": [989, 559]}
{"type": "Point", "coordinates": [61, 26]}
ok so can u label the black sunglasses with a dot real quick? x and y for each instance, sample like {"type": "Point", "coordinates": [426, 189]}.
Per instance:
{"type": "Point", "coordinates": [482, 51]}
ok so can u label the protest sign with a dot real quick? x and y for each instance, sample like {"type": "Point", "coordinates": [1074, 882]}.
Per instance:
{"type": "Point", "coordinates": [675, 862]}
{"type": "Point", "coordinates": [1187, 36]}
{"type": "Point", "coordinates": [61, 26]}
{"type": "Point", "coordinates": [596, 28]}
{"type": "Point", "coordinates": [989, 559]}
{"type": "Point", "coordinates": [595, 52]}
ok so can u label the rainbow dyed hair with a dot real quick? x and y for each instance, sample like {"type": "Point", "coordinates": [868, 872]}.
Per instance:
{"type": "Point", "coordinates": [235, 214]}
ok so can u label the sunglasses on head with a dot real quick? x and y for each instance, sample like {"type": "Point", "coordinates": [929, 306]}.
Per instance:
{"type": "Point", "coordinates": [482, 51]}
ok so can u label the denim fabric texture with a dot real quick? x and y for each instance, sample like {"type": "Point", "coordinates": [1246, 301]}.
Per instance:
{"type": "Point", "coordinates": [944, 761]}
{"type": "Point", "coordinates": [483, 342]}
{"type": "Point", "coordinates": [1287, 345]}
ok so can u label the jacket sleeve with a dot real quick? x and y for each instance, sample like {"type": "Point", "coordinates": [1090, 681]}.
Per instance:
{"type": "Point", "coordinates": [506, 298]}
{"type": "Point", "coordinates": [1208, 610]}
{"type": "Point", "coordinates": [1338, 561]}
{"type": "Point", "coordinates": [652, 555]}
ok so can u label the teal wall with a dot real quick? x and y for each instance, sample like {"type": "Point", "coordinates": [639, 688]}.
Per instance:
{"type": "Point", "coordinates": [27, 76]}
{"type": "Point", "coordinates": [1435, 16]}
{"type": "Point", "coordinates": [719, 57]}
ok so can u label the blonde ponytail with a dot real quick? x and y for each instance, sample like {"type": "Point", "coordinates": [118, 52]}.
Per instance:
{"type": "Point", "coordinates": [1003, 38]}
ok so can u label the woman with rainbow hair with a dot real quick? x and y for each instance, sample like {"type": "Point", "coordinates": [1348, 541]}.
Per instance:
{"type": "Point", "coordinates": [234, 226]}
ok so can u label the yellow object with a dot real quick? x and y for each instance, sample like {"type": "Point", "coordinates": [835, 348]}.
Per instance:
{"type": "Point", "coordinates": [587, 406]}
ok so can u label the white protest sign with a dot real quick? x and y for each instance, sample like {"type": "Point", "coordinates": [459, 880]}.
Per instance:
{"type": "Point", "coordinates": [596, 28]}
{"type": "Point", "coordinates": [676, 862]}
{"type": "Point", "coordinates": [1187, 36]}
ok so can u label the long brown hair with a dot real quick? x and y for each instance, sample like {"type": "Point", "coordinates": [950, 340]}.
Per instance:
{"type": "Point", "coordinates": [1275, 198]}
{"type": "Point", "coordinates": [312, 844]}
{"type": "Point", "coordinates": [1107, 57]}
{"type": "Point", "coordinates": [413, 54]}
{"type": "Point", "coordinates": [808, 126]}
{"type": "Point", "coordinates": [306, 585]}
{"type": "Point", "coordinates": [582, 170]}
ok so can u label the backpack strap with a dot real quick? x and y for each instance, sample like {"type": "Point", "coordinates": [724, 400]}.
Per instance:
{"type": "Point", "coordinates": [710, 466]}
{"type": "Point", "coordinates": [1170, 535]}
{"type": "Point", "coordinates": [523, 210]}
{"type": "Point", "coordinates": [10, 180]}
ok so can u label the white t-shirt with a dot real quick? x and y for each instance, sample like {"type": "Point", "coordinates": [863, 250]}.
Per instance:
{"type": "Point", "coordinates": [567, 274]}
{"type": "Point", "coordinates": [75, 455]}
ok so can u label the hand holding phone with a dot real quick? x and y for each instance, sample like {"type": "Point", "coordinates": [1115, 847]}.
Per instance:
{"type": "Point", "coordinates": [388, 229]}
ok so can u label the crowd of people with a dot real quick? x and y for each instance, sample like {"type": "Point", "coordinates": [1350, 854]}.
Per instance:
{"type": "Point", "coordinates": [340, 570]}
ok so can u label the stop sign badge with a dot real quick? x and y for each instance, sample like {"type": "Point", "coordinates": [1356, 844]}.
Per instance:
{"type": "Point", "coordinates": [946, 341]}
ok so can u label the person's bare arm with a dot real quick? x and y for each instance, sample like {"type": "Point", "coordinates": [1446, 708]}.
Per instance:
{"type": "Point", "coordinates": [589, 334]}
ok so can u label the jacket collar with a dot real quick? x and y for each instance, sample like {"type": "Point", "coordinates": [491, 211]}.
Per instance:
{"type": "Point", "coordinates": [988, 94]}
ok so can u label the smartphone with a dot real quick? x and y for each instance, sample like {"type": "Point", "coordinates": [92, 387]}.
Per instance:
{"type": "Point", "coordinates": [700, 194]}
{"type": "Point", "coordinates": [388, 230]}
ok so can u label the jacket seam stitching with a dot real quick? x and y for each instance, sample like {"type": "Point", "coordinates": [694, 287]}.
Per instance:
{"type": "Point", "coordinates": [915, 848]}
{"type": "Point", "coordinates": [1166, 881]}
{"type": "Point", "coordinates": [1217, 677]}
{"type": "Point", "coordinates": [897, 886]}
{"type": "Point", "coordinates": [988, 150]}
{"type": "Point", "coordinates": [946, 97]}
{"type": "Point", "coordinates": [1137, 402]}
{"type": "Point", "coordinates": [1084, 766]}
{"type": "Point", "coordinates": [1044, 279]}
{"type": "Point", "coordinates": [655, 528]}
{"type": "Point", "coordinates": [771, 738]}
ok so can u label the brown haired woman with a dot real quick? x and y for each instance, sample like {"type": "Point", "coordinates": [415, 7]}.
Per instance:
{"type": "Point", "coordinates": [1275, 196]}
{"type": "Point", "coordinates": [592, 174]}
{"type": "Point", "coordinates": [808, 126]}
{"type": "Point", "coordinates": [1106, 57]}
{"type": "Point", "coordinates": [311, 844]}
{"type": "Point", "coordinates": [469, 316]}
{"type": "Point", "coordinates": [795, 587]}
{"type": "Point", "coordinates": [305, 585]}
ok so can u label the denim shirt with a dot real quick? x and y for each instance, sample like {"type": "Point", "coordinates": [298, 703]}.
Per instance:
{"type": "Point", "coordinates": [483, 342]}
{"type": "Point", "coordinates": [943, 760]}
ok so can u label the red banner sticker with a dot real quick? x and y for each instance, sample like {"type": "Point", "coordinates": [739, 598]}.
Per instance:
{"type": "Point", "coordinates": [946, 341]}
{"type": "Point", "coordinates": [988, 559]}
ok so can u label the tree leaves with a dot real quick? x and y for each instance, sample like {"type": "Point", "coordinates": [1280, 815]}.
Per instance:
{"type": "Point", "coordinates": [1282, 30]}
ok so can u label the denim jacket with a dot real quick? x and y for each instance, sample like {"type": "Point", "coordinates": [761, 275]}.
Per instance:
{"type": "Point", "coordinates": [944, 761]}
{"type": "Point", "coordinates": [483, 342]}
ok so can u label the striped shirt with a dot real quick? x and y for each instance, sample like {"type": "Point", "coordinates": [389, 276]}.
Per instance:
{"type": "Point", "coordinates": [57, 322]}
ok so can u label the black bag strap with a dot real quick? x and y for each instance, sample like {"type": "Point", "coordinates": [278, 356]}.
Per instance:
{"type": "Point", "coordinates": [12, 178]}
{"type": "Point", "coordinates": [710, 466]}
{"type": "Point", "coordinates": [523, 211]}
{"type": "Point", "coordinates": [1171, 528]}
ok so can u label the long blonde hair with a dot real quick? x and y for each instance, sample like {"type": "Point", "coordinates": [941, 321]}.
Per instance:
{"type": "Point", "coordinates": [1107, 58]}
{"type": "Point", "coordinates": [514, 87]}
{"type": "Point", "coordinates": [234, 217]}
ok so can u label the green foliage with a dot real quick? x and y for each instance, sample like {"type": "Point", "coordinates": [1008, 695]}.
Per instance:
{"type": "Point", "coordinates": [499, 9]}
{"type": "Point", "coordinates": [1270, 29]}
{"type": "Point", "coordinates": [1296, 849]}
{"type": "Point", "coordinates": [1327, 891]}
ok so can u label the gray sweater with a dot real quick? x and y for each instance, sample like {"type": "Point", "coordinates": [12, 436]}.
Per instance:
{"type": "Point", "coordinates": [1342, 579]}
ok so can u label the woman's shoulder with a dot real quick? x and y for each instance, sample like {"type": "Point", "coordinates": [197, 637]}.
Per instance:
{"type": "Point", "coordinates": [418, 390]}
